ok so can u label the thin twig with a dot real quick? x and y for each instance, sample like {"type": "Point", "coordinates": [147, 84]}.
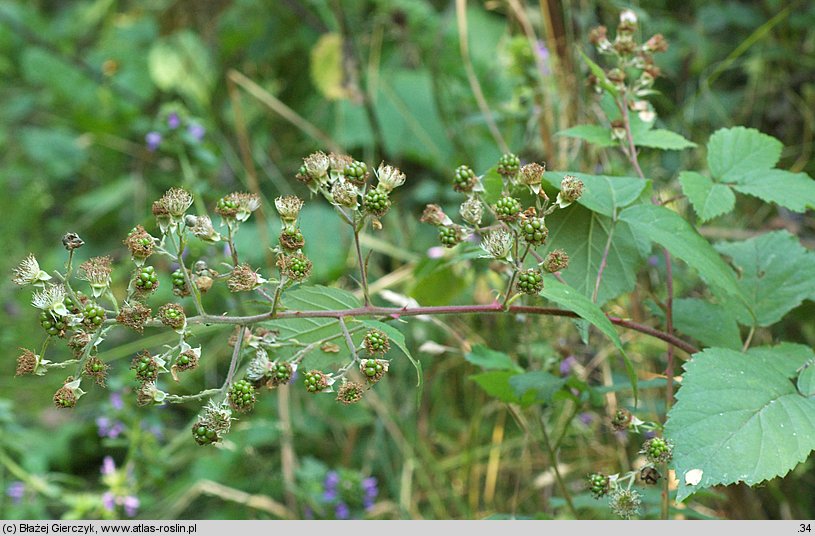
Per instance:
{"type": "Point", "coordinates": [233, 364]}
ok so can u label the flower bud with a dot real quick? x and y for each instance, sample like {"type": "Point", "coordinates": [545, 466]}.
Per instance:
{"type": "Point", "coordinates": [71, 241]}
{"type": "Point", "coordinates": [288, 207]}
{"type": "Point", "coordinates": [556, 261]}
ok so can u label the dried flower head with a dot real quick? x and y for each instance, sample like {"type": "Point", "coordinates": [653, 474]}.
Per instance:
{"type": "Point", "coordinates": [172, 315]}
{"type": "Point", "coordinates": [532, 174]}
{"type": "Point", "coordinates": [148, 394]}
{"type": "Point", "coordinates": [625, 503]}
{"type": "Point", "coordinates": [344, 194]}
{"type": "Point", "coordinates": [79, 341]}
{"type": "Point", "coordinates": [556, 261]}
{"type": "Point", "coordinates": [497, 244]}
{"type": "Point", "coordinates": [389, 177]}
{"type": "Point", "coordinates": [96, 271]}
{"type": "Point", "coordinates": [67, 395]}
{"type": "Point", "coordinates": [571, 188]}
{"type": "Point", "coordinates": [621, 420]}
{"type": "Point", "coordinates": [314, 170]}
{"type": "Point", "coordinates": [280, 373]}
{"type": "Point", "coordinates": [288, 207]}
{"type": "Point", "coordinates": [134, 315]}
{"type": "Point", "coordinates": [292, 239]}
{"type": "Point", "coordinates": [146, 367]}
{"type": "Point", "coordinates": [434, 215]}
{"type": "Point", "coordinates": [72, 241]}
{"type": "Point", "coordinates": [27, 362]}
{"type": "Point", "coordinates": [237, 205]}
{"type": "Point", "coordinates": [202, 282]}
{"type": "Point", "coordinates": [96, 369]}
{"type": "Point", "coordinates": [472, 210]}
{"type": "Point", "coordinates": [201, 227]}
{"type": "Point", "coordinates": [28, 272]}
{"type": "Point", "coordinates": [376, 342]}
{"type": "Point", "coordinates": [350, 392]}
{"type": "Point", "coordinates": [175, 203]}
{"type": "Point", "coordinates": [140, 243]}
{"type": "Point", "coordinates": [243, 278]}
{"type": "Point", "coordinates": [212, 425]}
{"type": "Point", "coordinates": [51, 299]}
{"type": "Point", "coordinates": [337, 163]}
{"type": "Point", "coordinates": [188, 358]}
{"type": "Point", "coordinates": [657, 43]}
{"type": "Point", "coordinates": [373, 369]}
{"type": "Point", "coordinates": [657, 450]}
{"type": "Point", "coordinates": [295, 266]}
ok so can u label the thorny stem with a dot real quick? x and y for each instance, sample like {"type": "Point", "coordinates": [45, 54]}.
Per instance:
{"type": "Point", "coordinates": [631, 151]}
{"type": "Point", "coordinates": [233, 364]}
{"type": "Point", "coordinates": [348, 340]}
{"type": "Point", "coordinates": [277, 293]}
{"type": "Point", "coordinates": [178, 399]}
{"type": "Point", "coordinates": [362, 271]}
{"type": "Point", "coordinates": [231, 241]}
{"type": "Point", "coordinates": [196, 298]}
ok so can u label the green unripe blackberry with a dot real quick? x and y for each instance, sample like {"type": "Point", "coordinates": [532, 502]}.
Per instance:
{"type": "Point", "coordinates": [52, 325]}
{"type": "Point", "coordinates": [227, 206]}
{"type": "Point", "coordinates": [376, 202]}
{"type": "Point", "coordinates": [180, 287]}
{"type": "Point", "coordinates": [508, 165]}
{"type": "Point", "coordinates": [464, 179]}
{"type": "Point", "coordinates": [146, 279]}
{"type": "Point", "coordinates": [145, 366]}
{"type": "Point", "coordinates": [96, 369]}
{"type": "Point", "coordinates": [75, 308]}
{"type": "Point", "coordinates": [507, 208]}
{"type": "Point", "coordinates": [450, 235]}
{"type": "Point", "coordinates": [292, 239]}
{"type": "Point", "coordinates": [356, 173]}
{"type": "Point", "coordinates": [373, 369]}
{"type": "Point", "coordinates": [657, 450]}
{"type": "Point", "coordinates": [534, 231]}
{"type": "Point", "coordinates": [93, 315]}
{"type": "Point", "coordinates": [279, 374]}
{"type": "Point", "coordinates": [376, 343]}
{"type": "Point", "coordinates": [242, 396]}
{"type": "Point", "coordinates": [315, 381]}
{"type": "Point", "coordinates": [204, 434]}
{"type": "Point", "coordinates": [530, 281]}
{"type": "Point", "coordinates": [297, 266]}
{"type": "Point", "coordinates": [621, 420]}
{"type": "Point", "coordinates": [598, 485]}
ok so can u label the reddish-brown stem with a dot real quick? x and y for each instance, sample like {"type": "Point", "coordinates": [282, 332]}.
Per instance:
{"type": "Point", "coordinates": [397, 312]}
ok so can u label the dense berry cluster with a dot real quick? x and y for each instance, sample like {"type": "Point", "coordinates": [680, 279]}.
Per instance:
{"type": "Point", "coordinates": [180, 287]}
{"type": "Point", "coordinates": [241, 396]}
{"type": "Point", "coordinates": [450, 235]}
{"type": "Point", "coordinates": [376, 202]}
{"type": "Point", "coordinates": [508, 165]}
{"type": "Point", "coordinates": [376, 343]}
{"type": "Point", "coordinates": [598, 484]}
{"type": "Point", "coordinates": [373, 369]}
{"type": "Point", "coordinates": [534, 231]}
{"type": "Point", "coordinates": [315, 381]}
{"type": "Point", "coordinates": [464, 179]}
{"type": "Point", "coordinates": [530, 281]}
{"type": "Point", "coordinates": [356, 173]}
{"type": "Point", "coordinates": [94, 316]}
{"type": "Point", "coordinates": [146, 367]}
{"type": "Point", "coordinates": [507, 208]}
{"type": "Point", "coordinates": [146, 279]}
{"type": "Point", "coordinates": [657, 450]}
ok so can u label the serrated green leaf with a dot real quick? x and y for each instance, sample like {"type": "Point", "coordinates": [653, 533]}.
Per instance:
{"type": "Point", "coordinates": [662, 139]}
{"type": "Point", "coordinates": [572, 300]}
{"type": "Point", "coordinates": [776, 272]}
{"type": "Point", "coordinates": [739, 418]}
{"type": "Point", "coordinates": [709, 199]}
{"type": "Point", "coordinates": [709, 323]}
{"type": "Point", "coordinates": [594, 134]}
{"type": "Point", "coordinates": [489, 359]}
{"type": "Point", "coordinates": [734, 152]}
{"type": "Point", "coordinates": [584, 234]}
{"type": "Point", "coordinates": [602, 193]}
{"type": "Point", "coordinates": [795, 191]}
{"type": "Point", "coordinates": [496, 384]}
{"type": "Point", "coordinates": [671, 231]}
{"type": "Point", "coordinates": [540, 384]}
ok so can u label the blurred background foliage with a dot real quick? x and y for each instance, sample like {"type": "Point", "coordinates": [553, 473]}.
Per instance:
{"type": "Point", "coordinates": [425, 85]}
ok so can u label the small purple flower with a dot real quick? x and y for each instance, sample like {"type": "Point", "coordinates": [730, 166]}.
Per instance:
{"type": "Point", "coordinates": [116, 400]}
{"type": "Point", "coordinates": [332, 478]}
{"type": "Point", "coordinates": [196, 131]}
{"type": "Point", "coordinates": [436, 252]}
{"type": "Point", "coordinates": [16, 491]}
{"type": "Point", "coordinates": [653, 260]}
{"type": "Point", "coordinates": [342, 511]}
{"type": "Point", "coordinates": [567, 365]}
{"type": "Point", "coordinates": [108, 501]}
{"type": "Point", "coordinates": [543, 56]}
{"type": "Point", "coordinates": [173, 121]}
{"type": "Point", "coordinates": [108, 428]}
{"type": "Point", "coordinates": [153, 140]}
{"type": "Point", "coordinates": [131, 505]}
{"type": "Point", "coordinates": [369, 486]}
{"type": "Point", "coordinates": [586, 418]}
{"type": "Point", "coordinates": [329, 495]}
{"type": "Point", "coordinates": [108, 466]}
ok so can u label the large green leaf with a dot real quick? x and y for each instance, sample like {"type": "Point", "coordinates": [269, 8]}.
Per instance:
{"type": "Point", "coordinates": [594, 134]}
{"type": "Point", "coordinates": [584, 235]}
{"type": "Point", "coordinates": [739, 418]}
{"type": "Point", "coordinates": [602, 193]}
{"type": "Point", "coordinates": [734, 152]}
{"type": "Point", "coordinates": [709, 323]}
{"type": "Point", "coordinates": [496, 384]}
{"type": "Point", "coordinates": [489, 359]}
{"type": "Point", "coordinates": [709, 199]}
{"type": "Point", "coordinates": [662, 139]}
{"type": "Point", "coordinates": [776, 274]}
{"type": "Point", "coordinates": [543, 384]}
{"type": "Point", "coordinates": [673, 232]}
{"type": "Point", "coordinates": [573, 300]}
{"type": "Point", "coordinates": [795, 191]}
